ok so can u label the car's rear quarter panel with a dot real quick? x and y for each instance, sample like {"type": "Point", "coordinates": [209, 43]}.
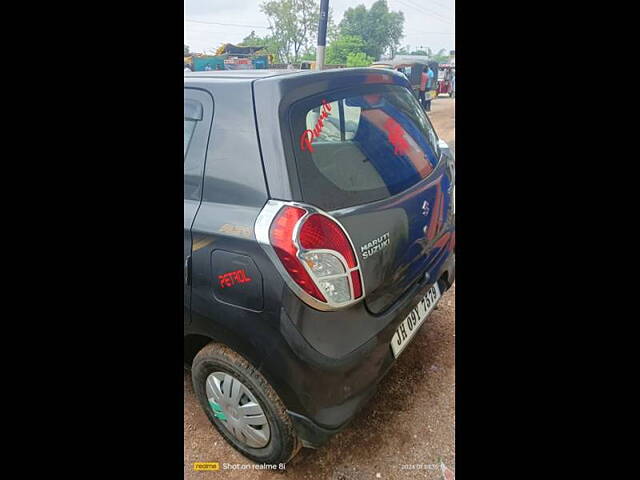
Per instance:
{"type": "Point", "coordinates": [234, 192]}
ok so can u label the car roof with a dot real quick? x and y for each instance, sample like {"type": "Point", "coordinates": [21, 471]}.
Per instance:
{"type": "Point", "coordinates": [290, 78]}
{"type": "Point", "coordinates": [248, 75]}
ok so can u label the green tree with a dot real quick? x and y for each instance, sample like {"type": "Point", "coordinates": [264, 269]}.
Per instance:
{"type": "Point", "coordinates": [186, 50]}
{"type": "Point", "coordinates": [271, 45]}
{"type": "Point", "coordinates": [293, 25]}
{"type": "Point", "coordinates": [379, 28]}
{"type": "Point", "coordinates": [339, 49]}
{"type": "Point", "coordinates": [359, 59]}
{"type": "Point", "coordinates": [309, 56]}
{"type": "Point", "coordinates": [252, 40]}
{"type": "Point", "coordinates": [332, 29]}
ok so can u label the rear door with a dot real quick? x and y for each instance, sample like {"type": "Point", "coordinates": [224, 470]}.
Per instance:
{"type": "Point", "coordinates": [198, 113]}
{"type": "Point", "coordinates": [369, 156]}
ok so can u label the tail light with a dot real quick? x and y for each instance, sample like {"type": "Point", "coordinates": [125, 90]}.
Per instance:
{"type": "Point", "coordinates": [313, 252]}
{"type": "Point", "coordinates": [281, 237]}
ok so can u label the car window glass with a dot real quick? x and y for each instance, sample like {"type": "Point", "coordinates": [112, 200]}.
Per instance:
{"type": "Point", "coordinates": [351, 120]}
{"type": "Point", "coordinates": [331, 126]}
{"type": "Point", "coordinates": [359, 148]}
{"type": "Point", "coordinates": [189, 127]}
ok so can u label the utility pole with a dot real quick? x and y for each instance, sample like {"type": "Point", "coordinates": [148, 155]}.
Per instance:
{"type": "Point", "coordinates": [322, 34]}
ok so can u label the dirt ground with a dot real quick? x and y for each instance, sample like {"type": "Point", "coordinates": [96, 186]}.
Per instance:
{"type": "Point", "coordinates": [406, 431]}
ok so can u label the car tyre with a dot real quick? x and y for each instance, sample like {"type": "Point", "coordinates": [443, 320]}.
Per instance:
{"type": "Point", "coordinates": [283, 443]}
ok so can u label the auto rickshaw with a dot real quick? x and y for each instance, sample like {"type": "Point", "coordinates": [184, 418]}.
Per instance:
{"type": "Point", "coordinates": [446, 73]}
{"type": "Point", "coordinates": [412, 66]}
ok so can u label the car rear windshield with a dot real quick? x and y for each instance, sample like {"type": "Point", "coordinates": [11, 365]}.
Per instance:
{"type": "Point", "coordinates": [361, 146]}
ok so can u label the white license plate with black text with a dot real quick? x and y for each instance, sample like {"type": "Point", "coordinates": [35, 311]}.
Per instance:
{"type": "Point", "coordinates": [410, 325]}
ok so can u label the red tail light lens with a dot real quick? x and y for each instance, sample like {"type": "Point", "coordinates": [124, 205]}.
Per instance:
{"type": "Point", "coordinates": [357, 285]}
{"type": "Point", "coordinates": [281, 238]}
{"type": "Point", "coordinates": [320, 259]}
{"type": "Point", "coordinates": [319, 231]}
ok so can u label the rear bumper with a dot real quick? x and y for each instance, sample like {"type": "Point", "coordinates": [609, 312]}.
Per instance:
{"type": "Point", "coordinates": [311, 434]}
{"type": "Point", "coordinates": [331, 391]}
{"type": "Point", "coordinates": [314, 435]}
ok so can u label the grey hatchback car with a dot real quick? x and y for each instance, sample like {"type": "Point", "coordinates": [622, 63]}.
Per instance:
{"type": "Point", "coordinates": [319, 234]}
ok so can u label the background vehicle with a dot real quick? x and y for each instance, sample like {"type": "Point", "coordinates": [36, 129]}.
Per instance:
{"type": "Point", "coordinates": [232, 57]}
{"type": "Point", "coordinates": [446, 72]}
{"type": "Point", "coordinates": [319, 233]}
{"type": "Point", "coordinates": [412, 66]}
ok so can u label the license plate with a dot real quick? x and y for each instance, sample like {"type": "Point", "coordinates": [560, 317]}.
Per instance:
{"type": "Point", "coordinates": [410, 325]}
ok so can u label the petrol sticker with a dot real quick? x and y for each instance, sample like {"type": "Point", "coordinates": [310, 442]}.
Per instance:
{"type": "Point", "coordinates": [230, 279]}
{"type": "Point", "coordinates": [375, 245]}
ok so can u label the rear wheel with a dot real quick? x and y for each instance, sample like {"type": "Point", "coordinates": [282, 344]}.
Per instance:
{"type": "Point", "coordinates": [242, 405]}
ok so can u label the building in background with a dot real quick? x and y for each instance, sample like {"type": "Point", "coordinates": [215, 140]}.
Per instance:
{"type": "Point", "coordinates": [232, 57]}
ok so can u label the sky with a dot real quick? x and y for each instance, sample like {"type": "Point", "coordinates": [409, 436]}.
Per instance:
{"type": "Point", "coordinates": [428, 23]}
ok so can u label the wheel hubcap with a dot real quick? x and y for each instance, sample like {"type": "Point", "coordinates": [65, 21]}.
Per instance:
{"type": "Point", "coordinates": [237, 409]}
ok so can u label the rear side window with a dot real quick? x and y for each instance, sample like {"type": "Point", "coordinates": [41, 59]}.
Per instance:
{"type": "Point", "coordinates": [189, 127]}
{"type": "Point", "coordinates": [354, 148]}
{"type": "Point", "coordinates": [198, 113]}
{"type": "Point", "coordinates": [192, 114]}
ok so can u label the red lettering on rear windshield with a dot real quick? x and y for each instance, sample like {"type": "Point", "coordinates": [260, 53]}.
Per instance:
{"type": "Point", "coordinates": [308, 135]}
{"type": "Point", "coordinates": [396, 136]}
{"type": "Point", "coordinates": [230, 279]}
